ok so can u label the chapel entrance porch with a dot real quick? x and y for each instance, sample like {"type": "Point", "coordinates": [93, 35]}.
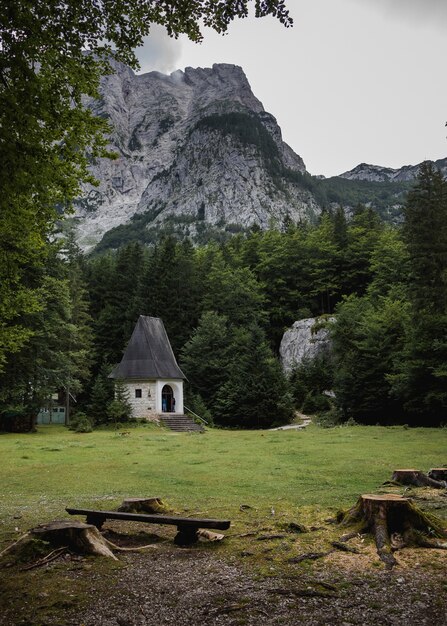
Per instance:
{"type": "Point", "coordinates": [167, 399]}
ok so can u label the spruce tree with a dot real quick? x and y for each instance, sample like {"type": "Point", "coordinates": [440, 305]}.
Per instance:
{"type": "Point", "coordinates": [421, 378]}
{"type": "Point", "coordinates": [255, 394]}
{"type": "Point", "coordinates": [205, 357]}
{"type": "Point", "coordinates": [367, 337]}
{"type": "Point", "coordinates": [101, 395]}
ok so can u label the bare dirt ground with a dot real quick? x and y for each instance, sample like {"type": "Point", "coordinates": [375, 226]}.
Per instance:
{"type": "Point", "coordinates": [178, 586]}
{"type": "Point", "coordinates": [189, 587]}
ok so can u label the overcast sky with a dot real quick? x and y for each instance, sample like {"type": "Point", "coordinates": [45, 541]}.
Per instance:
{"type": "Point", "coordinates": [353, 81]}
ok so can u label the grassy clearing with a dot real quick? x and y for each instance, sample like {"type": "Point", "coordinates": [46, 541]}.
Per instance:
{"type": "Point", "coordinates": [324, 469]}
{"type": "Point", "coordinates": [280, 477]}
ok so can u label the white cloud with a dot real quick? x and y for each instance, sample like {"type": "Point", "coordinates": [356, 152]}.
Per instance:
{"type": "Point", "coordinates": [159, 51]}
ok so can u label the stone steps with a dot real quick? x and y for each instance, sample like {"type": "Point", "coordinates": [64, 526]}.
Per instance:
{"type": "Point", "coordinates": [180, 423]}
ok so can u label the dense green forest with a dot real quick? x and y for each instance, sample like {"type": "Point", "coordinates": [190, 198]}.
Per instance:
{"type": "Point", "coordinates": [226, 305]}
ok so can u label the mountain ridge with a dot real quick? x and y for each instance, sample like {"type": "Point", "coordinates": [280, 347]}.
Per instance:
{"type": "Point", "coordinates": [379, 173]}
{"type": "Point", "coordinates": [198, 153]}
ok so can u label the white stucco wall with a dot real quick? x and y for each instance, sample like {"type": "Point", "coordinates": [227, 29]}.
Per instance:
{"type": "Point", "coordinates": [150, 404]}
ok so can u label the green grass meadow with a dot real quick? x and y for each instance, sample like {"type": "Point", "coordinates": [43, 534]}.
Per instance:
{"type": "Point", "coordinates": [319, 470]}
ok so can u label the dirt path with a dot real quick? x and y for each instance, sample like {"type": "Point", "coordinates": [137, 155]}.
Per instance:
{"type": "Point", "coordinates": [305, 421]}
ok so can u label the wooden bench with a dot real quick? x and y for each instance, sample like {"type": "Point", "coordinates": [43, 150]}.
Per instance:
{"type": "Point", "coordinates": [187, 527]}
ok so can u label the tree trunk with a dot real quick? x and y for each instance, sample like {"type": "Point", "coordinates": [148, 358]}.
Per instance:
{"type": "Point", "coordinates": [395, 522]}
{"type": "Point", "coordinates": [417, 478]}
{"type": "Point", "coordinates": [143, 505]}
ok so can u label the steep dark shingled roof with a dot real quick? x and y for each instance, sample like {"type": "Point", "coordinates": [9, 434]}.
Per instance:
{"type": "Point", "coordinates": [148, 353]}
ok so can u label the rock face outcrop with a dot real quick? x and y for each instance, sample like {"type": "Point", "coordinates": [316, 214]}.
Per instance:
{"type": "Point", "coordinates": [379, 174]}
{"type": "Point", "coordinates": [196, 145]}
{"type": "Point", "coordinates": [305, 340]}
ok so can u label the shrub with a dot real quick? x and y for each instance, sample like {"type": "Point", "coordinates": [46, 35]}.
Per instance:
{"type": "Point", "coordinates": [81, 423]}
{"type": "Point", "coordinates": [17, 420]}
{"type": "Point", "coordinates": [198, 406]}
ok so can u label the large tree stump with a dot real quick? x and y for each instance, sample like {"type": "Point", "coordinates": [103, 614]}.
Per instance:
{"type": "Point", "coordinates": [73, 535]}
{"type": "Point", "coordinates": [395, 522]}
{"type": "Point", "coordinates": [439, 473]}
{"type": "Point", "coordinates": [417, 478]}
{"type": "Point", "coordinates": [79, 537]}
{"type": "Point", "coordinates": [143, 505]}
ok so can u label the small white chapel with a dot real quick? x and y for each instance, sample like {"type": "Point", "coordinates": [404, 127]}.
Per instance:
{"type": "Point", "coordinates": [149, 371]}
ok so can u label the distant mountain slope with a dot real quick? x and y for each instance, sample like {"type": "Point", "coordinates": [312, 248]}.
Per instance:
{"type": "Point", "coordinates": [376, 173]}
{"type": "Point", "coordinates": [195, 146]}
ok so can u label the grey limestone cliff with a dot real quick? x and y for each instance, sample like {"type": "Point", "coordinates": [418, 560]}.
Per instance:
{"type": "Point", "coordinates": [196, 143]}
{"type": "Point", "coordinates": [304, 340]}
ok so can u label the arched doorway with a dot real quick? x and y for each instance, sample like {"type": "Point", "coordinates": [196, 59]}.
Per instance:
{"type": "Point", "coordinates": [167, 399]}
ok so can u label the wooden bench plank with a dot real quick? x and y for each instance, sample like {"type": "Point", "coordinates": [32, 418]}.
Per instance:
{"type": "Point", "coordinates": [155, 518]}
{"type": "Point", "coordinates": [187, 526]}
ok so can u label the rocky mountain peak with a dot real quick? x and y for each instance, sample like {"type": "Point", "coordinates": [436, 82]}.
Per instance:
{"type": "Point", "coordinates": [196, 145]}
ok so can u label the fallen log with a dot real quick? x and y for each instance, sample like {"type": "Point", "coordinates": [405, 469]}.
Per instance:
{"type": "Point", "coordinates": [416, 478]}
{"type": "Point", "coordinates": [390, 515]}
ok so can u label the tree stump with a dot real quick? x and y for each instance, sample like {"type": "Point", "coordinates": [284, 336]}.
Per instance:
{"type": "Point", "coordinates": [439, 473]}
{"type": "Point", "coordinates": [416, 478]}
{"type": "Point", "coordinates": [76, 536]}
{"type": "Point", "coordinates": [79, 537]}
{"type": "Point", "coordinates": [143, 505]}
{"type": "Point", "coordinates": [395, 522]}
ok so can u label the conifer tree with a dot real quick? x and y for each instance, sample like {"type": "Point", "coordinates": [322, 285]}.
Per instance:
{"type": "Point", "coordinates": [255, 394]}
{"type": "Point", "coordinates": [114, 326]}
{"type": "Point", "coordinates": [101, 395]}
{"type": "Point", "coordinates": [421, 378]}
{"type": "Point", "coordinates": [232, 291]}
{"type": "Point", "coordinates": [367, 337]}
{"type": "Point", "coordinates": [206, 355]}
{"type": "Point", "coordinates": [119, 409]}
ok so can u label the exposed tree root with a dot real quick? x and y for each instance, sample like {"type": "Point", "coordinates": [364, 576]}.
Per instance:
{"type": "Point", "coordinates": [438, 473]}
{"type": "Point", "coordinates": [309, 556]}
{"type": "Point", "coordinates": [343, 546]}
{"type": "Point", "coordinates": [52, 556]}
{"type": "Point", "coordinates": [15, 545]}
{"type": "Point", "coordinates": [395, 522]}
